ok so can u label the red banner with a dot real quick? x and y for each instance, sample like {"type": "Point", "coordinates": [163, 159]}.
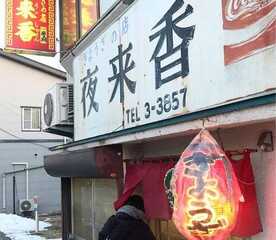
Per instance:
{"type": "Point", "coordinates": [30, 26]}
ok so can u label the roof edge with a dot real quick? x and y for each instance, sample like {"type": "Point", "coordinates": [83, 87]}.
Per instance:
{"type": "Point", "coordinates": [33, 64]}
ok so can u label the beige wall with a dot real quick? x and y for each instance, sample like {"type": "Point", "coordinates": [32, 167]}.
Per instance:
{"type": "Point", "coordinates": [21, 86]}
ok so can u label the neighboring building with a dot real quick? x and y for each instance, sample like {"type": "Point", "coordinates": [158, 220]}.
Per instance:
{"type": "Point", "coordinates": [147, 77]}
{"type": "Point", "coordinates": [24, 84]}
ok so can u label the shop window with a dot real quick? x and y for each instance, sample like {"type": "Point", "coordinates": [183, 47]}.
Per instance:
{"type": "Point", "coordinates": [88, 15]}
{"type": "Point", "coordinates": [69, 33]}
{"type": "Point", "coordinates": [92, 205]}
{"type": "Point", "coordinates": [31, 119]}
{"type": "Point", "coordinates": [77, 17]}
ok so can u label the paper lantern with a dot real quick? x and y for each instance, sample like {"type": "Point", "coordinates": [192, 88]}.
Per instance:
{"type": "Point", "coordinates": [205, 191]}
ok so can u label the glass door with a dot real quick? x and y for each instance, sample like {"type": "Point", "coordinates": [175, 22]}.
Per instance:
{"type": "Point", "coordinates": [81, 208]}
{"type": "Point", "coordinates": [104, 194]}
{"type": "Point", "coordinates": [92, 205]}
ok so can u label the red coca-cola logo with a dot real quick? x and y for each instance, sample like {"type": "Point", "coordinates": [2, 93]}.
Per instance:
{"type": "Point", "coordinates": [241, 13]}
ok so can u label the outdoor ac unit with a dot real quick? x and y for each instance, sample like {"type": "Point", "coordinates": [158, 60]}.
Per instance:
{"type": "Point", "coordinates": [26, 205]}
{"type": "Point", "coordinates": [58, 105]}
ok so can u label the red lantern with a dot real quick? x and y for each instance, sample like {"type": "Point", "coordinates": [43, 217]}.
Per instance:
{"type": "Point", "coordinates": [205, 190]}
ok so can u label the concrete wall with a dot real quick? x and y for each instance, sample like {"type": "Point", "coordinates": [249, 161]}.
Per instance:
{"type": "Point", "coordinates": [264, 164]}
{"type": "Point", "coordinates": [40, 184]}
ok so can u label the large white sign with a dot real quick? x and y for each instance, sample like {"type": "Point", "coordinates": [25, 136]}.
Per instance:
{"type": "Point", "coordinates": [105, 5]}
{"type": "Point", "coordinates": [161, 59]}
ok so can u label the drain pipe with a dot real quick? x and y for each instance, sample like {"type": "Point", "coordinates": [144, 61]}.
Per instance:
{"type": "Point", "coordinates": [5, 174]}
{"type": "Point", "coordinates": [26, 164]}
{"type": "Point", "coordinates": [4, 190]}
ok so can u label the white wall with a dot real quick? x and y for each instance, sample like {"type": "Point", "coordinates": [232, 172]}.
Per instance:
{"type": "Point", "coordinates": [21, 86]}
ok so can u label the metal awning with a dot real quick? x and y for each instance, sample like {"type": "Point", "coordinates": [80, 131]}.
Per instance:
{"type": "Point", "coordinates": [62, 130]}
{"type": "Point", "coordinates": [100, 162]}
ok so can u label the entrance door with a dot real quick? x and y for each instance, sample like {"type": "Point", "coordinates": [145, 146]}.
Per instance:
{"type": "Point", "coordinates": [92, 204]}
{"type": "Point", "coordinates": [104, 194]}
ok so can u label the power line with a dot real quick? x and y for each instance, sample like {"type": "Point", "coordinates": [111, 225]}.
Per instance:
{"type": "Point", "coordinates": [11, 134]}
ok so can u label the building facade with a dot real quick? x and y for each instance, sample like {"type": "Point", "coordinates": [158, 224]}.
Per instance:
{"type": "Point", "coordinates": [148, 76]}
{"type": "Point", "coordinates": [22, 141]}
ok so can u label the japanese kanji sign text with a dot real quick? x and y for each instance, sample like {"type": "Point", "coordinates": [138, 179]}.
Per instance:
{"type": "Point", "coordinates": [30, 26]}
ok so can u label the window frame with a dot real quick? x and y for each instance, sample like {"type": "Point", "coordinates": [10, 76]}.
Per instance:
{"type": "Point", "coordinates": [79, 34]}
{"type": "Point", "coordinates": [23, 129]}
{"type": "Point", "coordinates": [79, 19]}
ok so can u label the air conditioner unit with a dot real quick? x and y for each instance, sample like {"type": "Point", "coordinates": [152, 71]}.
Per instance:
{"type": "Point", "coordinates": [26, 205]}
{"type": "Point", "coordinates": [58, 110]}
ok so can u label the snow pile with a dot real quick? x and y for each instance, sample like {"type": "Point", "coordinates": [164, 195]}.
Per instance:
{"type": "Point", "coordinates": [19, 228]}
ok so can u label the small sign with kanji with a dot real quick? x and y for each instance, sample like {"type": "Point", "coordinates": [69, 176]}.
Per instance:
{"type": "Point", "coordinates": [30, 26]}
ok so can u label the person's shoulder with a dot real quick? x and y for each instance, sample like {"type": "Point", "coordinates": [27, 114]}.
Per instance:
{"type": "Point", "coordinates": [111, 219]}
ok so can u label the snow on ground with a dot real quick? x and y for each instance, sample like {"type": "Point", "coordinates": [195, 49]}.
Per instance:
{"type": "Point", "coordinates": [19, 228]}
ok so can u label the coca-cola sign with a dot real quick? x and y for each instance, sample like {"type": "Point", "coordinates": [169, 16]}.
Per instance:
{"type": "Point", "coordinates": [249, 27]}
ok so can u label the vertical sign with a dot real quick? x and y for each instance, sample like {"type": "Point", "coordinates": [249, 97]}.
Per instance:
{"type": "Point", "coordinates": [30, 26]}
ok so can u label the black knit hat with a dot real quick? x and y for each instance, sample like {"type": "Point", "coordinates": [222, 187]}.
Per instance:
{"type": "Point", "coordinates": [136, 201]}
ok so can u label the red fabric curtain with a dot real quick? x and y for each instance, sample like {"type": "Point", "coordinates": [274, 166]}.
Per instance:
{"type": "Point", "coordinates": [248, 221]}
{"type": "Point", "coordinates": [151, 176]}
{"type": "Point", "coordinates": [155, 198]}
{"type": "Point", "coordinates": [134, 175]}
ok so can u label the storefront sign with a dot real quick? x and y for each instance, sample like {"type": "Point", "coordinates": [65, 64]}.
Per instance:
{"type": "Point", "coordinates": [154, 65]}
{"type": "Point", "coordinates": [30, 26]}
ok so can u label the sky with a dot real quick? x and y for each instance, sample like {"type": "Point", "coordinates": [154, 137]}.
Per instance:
{"type": "Point", "coordinates": [51, 61]}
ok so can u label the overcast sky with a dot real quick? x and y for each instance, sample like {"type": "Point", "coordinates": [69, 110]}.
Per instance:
{"type": "Point", "coordinates": [51, 61]}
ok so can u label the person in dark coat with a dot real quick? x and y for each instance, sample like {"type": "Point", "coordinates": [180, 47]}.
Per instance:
{"type": "Point", "coordinates": [127, 223]}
